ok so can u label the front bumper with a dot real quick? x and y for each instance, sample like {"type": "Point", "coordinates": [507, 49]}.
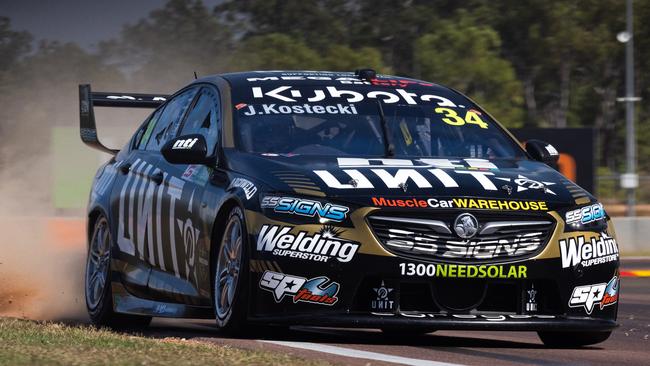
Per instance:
{"type": "Point", "coordinates": [376, 289]}
{"type": "Point", "coordinates": [499, 303]}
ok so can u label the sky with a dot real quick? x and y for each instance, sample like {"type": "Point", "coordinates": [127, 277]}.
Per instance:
{"type": "Point", "coordinates": [85, 22]}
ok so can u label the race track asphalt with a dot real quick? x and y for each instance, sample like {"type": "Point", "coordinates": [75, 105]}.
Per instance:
{"type": "Point", "coordinates": [628, 345]}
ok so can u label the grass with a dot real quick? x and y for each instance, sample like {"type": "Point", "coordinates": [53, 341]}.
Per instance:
{"type": "Point", "coordinates": [24, 342]}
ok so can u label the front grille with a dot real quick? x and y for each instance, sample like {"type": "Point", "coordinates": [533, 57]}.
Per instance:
{"type": "Point", "coordinates": [498, 239]}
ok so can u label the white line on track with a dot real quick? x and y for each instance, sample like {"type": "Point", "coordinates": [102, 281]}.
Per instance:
{"type": "Point", "coordinates": [353, 353]}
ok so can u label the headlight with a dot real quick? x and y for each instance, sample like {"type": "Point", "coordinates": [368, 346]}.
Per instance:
{"type": "Point", "coordinates": [587, 218]}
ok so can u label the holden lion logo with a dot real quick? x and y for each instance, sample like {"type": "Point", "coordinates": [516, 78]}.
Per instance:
{"type": "Point", "coordinates": [466, 225]}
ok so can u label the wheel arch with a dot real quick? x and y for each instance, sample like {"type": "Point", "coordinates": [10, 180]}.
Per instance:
{"type": "Point", "coordinates": [93, 215]}
{"type": "Point", "coordinates": [218, 227]}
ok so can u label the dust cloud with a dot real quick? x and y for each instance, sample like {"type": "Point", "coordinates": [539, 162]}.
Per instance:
{"type": "Point", "coordinates": [43, 246]}
{"type": "Point", "coordinates": [45, 169]}
{"type": "Point", "coordinates": [39, 279]}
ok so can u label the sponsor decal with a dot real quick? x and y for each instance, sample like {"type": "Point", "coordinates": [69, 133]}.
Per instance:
{"type": "Point", "coordinates": [291, 94]}
{"type": "Point", "coordinates": [467, 203]}
{"type": "Point", "coordinates": [524, 184]}
{"type": "Point", "coordinates": [551, 150]}
{"type": "Point", "coordinates": [196, 173]}
{"type": "Point", "coordinates": [383, 298]}
{"type": "Point", "coordinates": [129, 97]}
{"type": "Point", "coordinates": [421, 172]}
{"type": "Point", "coordinates": [302, 77]}
{"type": "Point", "coordinates": [398, 83]}
{"type": "Point", "coordinates": [253, 110]}
{"type": "Point", "coordinates": [494, 318]}
{"type": "Point", "coordinates": [454, 164]}
{"type": "Point", "coordinates": [319, 247]}
{"type": "Point", "coordinates": [246, 185]}
{"type": "Point", "coordinates": [531, 304]}
{"type": "Point", "coordinates": [478, 248]}
{"type": "Point", "coordinates": [190, 238]}
{"type": "Point", "coordinates": [585, 214]}
{"type": "Point", "coordinates": [588, 296]}
{"type": "Point", "coordinates": [305, 207]}
{"type": "Point", "coordinates": [185, 144]}
{"type": "Point", "coordinates": [463, 270]}
{"type": "Point", "coordinates": [611, 293]}
{"type": "Point", "coordinates": [599, 249]}
{"type": "Point", "coordinates": [319, 290]}
{"type": "Point", "coordinates": [151, 226]}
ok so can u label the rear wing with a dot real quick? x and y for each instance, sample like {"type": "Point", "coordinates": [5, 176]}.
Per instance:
{"type": "Point", "coordinates": [88, 100]}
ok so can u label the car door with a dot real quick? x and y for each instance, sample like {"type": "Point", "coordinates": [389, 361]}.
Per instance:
{"type": "Point", "coordinates": [186, 186]}
{"type": "Point", "coordinates": [130, 207]}
{"type": "Point", "coordinates": [138, 206]}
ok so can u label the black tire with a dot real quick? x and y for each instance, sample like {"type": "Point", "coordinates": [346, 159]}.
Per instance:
{"type": "Point", "coordinates": [99, 298]}
{"type": "Point", "coordinates": [572, 339]}
{"type": "Point", "coordinates": [230, 309]}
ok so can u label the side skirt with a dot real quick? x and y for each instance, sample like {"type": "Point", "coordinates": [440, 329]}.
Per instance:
{"type": "Point", "coordinates": [124, 302]}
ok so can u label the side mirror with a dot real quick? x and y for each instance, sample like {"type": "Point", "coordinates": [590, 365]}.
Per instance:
{"type": "Point", "coordinates": [187, 149]}
{"type": "Point", "coordinates": [542, 151]}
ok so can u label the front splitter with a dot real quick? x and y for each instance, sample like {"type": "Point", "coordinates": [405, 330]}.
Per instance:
{"type": "Point", "coordinates": [446, 321]}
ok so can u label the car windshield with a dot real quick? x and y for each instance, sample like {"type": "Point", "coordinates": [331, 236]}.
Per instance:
{"type": "Point", "coordinates": [341, 129]}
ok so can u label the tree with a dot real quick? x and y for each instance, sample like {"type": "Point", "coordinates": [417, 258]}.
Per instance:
{"type": "Point", "coordinates": [13, 45]}
{"type": "Point", "coordinates": [465, 56]}
{"type": "Point", "coordinates": [318, 23]}
{"type": "Point", "coordinates": [344, 58]}
{"type": "Point", "coordinates": [275, 51]}
{"type": "Point", "coordinates": [164, 49]}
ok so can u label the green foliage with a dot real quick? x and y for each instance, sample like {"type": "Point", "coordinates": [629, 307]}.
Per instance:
{"type": "Point", "coordinates": [344, 58]}
{"type": "Point", "coordinates": [319, 23]}
{"type": "Point", "coordinates": [13, 45]}
{"type": "Point", "coordinates": [164, 49]}
{"type": "Point", "coordinates": [276, 51]}
{"type": "Point", "coordinates": [537, 63]}
{"type": "Point", "coordinates": [43, 91]}
{"type": "Point", "coordinates": [465, 56]}
{"type": "Point", "coordinates": [279, 51]}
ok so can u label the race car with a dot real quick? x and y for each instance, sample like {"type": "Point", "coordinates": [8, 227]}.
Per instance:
{"type": "Point", "coordinates": [341, 199]}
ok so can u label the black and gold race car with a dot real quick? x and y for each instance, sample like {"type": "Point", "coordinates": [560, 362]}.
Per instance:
{"type": "Point", "coordinates": [345, 200]}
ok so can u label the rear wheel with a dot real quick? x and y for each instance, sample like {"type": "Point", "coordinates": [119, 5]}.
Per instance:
{"type": "Point", "coordinates": [230, 275]}
{"type": "Point", "coordinates": [572, 339]}
{"type": "Point", "coordinates": [99, 297]}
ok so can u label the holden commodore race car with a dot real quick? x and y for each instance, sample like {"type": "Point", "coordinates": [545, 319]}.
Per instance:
{"type": "Point", "coordinates": [341, 199]}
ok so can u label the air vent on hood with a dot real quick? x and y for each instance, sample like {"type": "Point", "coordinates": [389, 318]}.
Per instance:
{"type": "Point", "coordinates": [300, 183]}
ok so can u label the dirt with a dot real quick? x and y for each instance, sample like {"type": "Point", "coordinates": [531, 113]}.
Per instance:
{"type": "Point", "coordinates": [41, 275]}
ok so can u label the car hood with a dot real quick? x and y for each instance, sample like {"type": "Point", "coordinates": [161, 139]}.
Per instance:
{"type": "Point", "coordinates": [336, 177]}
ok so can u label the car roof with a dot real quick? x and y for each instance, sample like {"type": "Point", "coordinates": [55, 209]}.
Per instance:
{"type": "Point", "coordinates": [313, 78]}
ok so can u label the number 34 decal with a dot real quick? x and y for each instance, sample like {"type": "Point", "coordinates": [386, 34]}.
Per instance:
{"type": "Point", "coordinates": [451, 117]}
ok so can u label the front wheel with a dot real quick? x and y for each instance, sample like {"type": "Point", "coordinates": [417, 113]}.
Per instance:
{"type": "Point", "coordinates": [231, 274]}
{"type": "Point", "coordinates": [572, 339]}
{"type": "Point", "coordinates": [99, 297]}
